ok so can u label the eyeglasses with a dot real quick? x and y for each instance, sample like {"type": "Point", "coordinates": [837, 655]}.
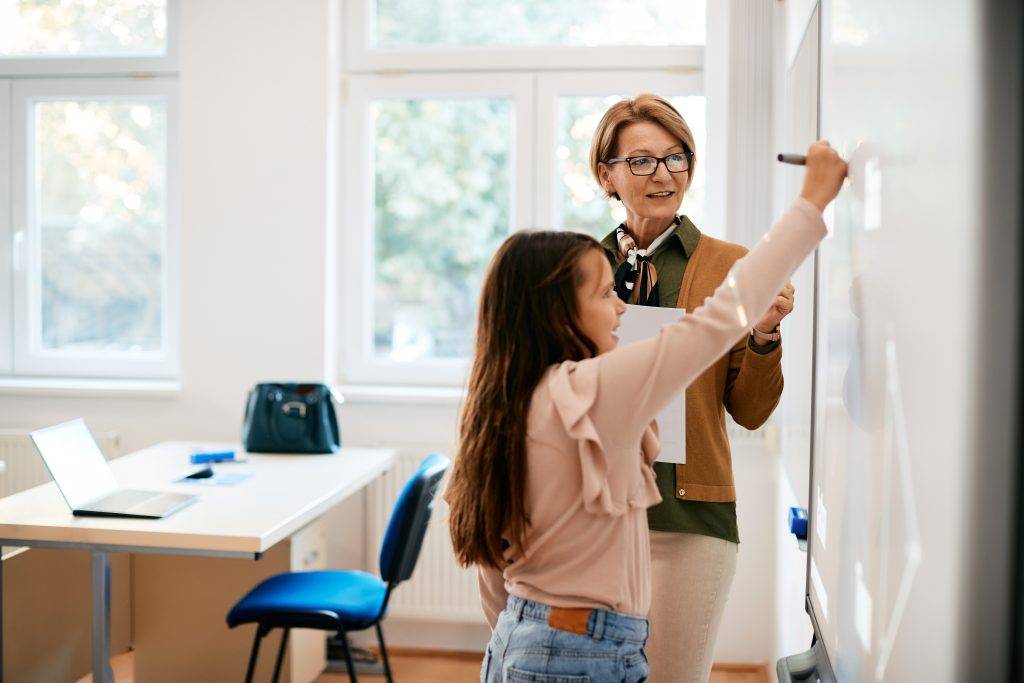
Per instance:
{"type": "Point", "coordinates": [675, 163]}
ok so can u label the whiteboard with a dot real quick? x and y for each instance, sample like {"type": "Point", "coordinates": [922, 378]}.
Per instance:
{"type": "Point", "coordinates": [905, 489]}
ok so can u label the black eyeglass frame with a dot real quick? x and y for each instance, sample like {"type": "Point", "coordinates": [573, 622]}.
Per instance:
{"type": "Point", "coordinates": [657, 162]}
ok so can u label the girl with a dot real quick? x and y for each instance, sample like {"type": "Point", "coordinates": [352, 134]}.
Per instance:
{"type": "Point", "coordinates": [549, 492]}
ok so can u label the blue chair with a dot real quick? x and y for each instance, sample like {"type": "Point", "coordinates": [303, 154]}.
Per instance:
{"type": "Point", "coordinates": [345, 601]}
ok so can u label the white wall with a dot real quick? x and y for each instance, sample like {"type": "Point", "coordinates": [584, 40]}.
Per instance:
{"type": "Point", "coordinates": [253, 106]}
{"type": "Point", "coordinates": [792, 628]}
{"type": "Point", "coordinates": [767, 592]}
{"type": "Point", "coordinates": [746, 632]}
{"type": "Point", "coordinates": [257, 91]}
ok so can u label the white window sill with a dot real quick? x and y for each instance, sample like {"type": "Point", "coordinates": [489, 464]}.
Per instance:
{"type": "Point", "coordinates": [73, 387]}
{"type": "Point", "coordinates": [394, 394]}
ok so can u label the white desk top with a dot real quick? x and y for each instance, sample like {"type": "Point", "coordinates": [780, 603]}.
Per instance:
{"type": "Point", "coordinates": [284, 493]}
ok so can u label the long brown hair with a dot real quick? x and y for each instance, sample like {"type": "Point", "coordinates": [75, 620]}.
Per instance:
{"type": "Point", "coordinates": [527, 321]}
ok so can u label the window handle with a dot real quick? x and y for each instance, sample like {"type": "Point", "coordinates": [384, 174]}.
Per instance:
{"type": "Point", "coordinates": [19, 247]}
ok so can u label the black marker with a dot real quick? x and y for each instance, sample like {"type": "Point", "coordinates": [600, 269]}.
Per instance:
{"type": "Point", "coordinates": [795, 159]}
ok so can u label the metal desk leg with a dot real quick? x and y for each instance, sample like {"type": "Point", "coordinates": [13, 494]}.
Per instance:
{"type": "Point", "coordinates": [101, 670]}
{"type": "Point", "coordinates": [1, 617]}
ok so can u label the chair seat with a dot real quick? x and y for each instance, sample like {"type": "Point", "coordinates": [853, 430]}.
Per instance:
{"type": "Point", "coordinates": [327, 600]}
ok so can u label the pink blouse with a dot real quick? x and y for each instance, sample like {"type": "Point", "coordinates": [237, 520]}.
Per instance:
{"type": "Point", "coordinates": [591, 440]}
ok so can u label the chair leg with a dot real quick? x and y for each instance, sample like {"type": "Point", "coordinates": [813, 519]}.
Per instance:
{"type": "Point", "coordinates": [383, 653]}
{"type": "Point", "coordinates": [280, 654]}
{"type": "Point", "coordinates": [348, 657]}
{"type": "Point", "coordinates": [255, 651]}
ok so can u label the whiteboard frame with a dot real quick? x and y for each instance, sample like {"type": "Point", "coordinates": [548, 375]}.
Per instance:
{"type": "Point", "coordinates": [815, 23]}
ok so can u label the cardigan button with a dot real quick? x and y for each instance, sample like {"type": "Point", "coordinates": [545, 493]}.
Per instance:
{"type": "Point", "coordinates": [682, 492]}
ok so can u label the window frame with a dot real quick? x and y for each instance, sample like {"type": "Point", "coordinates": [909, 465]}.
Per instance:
{"type": "Point", "coordinates": [552, 85]}
{"type": "Point", "coordinates": [362, 57]}
{"type": "Point", "coordinates": [359, 362]}
{"type": "Point", "coordinates": [28, 359]}
{"type": "Point", "coordinates": [6, 232]}
{"type": "Point", "coordinates": [106, 65]}
{"type": "Point", "coordinates": [552, 71]}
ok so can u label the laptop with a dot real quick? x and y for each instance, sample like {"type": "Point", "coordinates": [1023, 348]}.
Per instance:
{"type": "Point", "coordinates": [87, 482]}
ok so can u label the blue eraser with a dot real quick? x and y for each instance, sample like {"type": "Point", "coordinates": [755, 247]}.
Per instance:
{"type": "Point", "coordinates": [214, 456]}
{"type": "Point", "coordinates": [798, 522]}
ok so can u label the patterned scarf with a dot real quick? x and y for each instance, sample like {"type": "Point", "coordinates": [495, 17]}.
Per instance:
{"type": "Point", "coordinates": [636, 279]}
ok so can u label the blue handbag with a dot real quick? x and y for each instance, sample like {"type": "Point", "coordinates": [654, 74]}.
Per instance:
{"type": "Point", "coordinates": [290, 418]}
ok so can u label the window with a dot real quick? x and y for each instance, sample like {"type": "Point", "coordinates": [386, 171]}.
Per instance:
{"type": "Point", "coordinates": [401, 24]}
{"type": "Point", "coordinates": [33, 28]}
{"type": "Point", "coordinates": [6, 328]}
{"type": "Point", "coordinates": [463, 123]}
{"type": "Point", "coordinates": [434, 178]}
{"type": "Point", "coordinates": [442, 203]}
{"type": "Point", "coordinates": [91, 235]}
{"type": "Point", "coordinates": [501, 35]}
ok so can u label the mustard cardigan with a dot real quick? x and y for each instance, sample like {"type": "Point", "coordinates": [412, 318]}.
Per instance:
{"type": "Point", "coordinates": [747, 384]}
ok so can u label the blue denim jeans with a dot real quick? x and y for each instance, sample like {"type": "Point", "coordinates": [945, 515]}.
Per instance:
{"type": "Point", "coordinates": [602, 646]}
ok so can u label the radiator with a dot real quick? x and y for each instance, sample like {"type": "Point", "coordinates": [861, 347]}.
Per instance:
{"type": "Point", "coordinates": [439, 590]}
{"type": "Point", "coordinates": [23, 468]}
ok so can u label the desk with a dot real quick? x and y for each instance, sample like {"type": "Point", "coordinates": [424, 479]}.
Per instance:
{"type": "Point", "coordinates": [284, 494]}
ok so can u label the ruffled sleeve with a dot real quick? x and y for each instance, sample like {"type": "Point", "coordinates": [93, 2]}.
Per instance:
{"type": "Point", "coordinates": [647, 493]}
{"type": "Point", "coordinates": [612, 482]}
{"type": "Point", "coordinates": [637, 381]}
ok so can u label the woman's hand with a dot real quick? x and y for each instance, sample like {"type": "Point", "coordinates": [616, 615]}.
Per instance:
{"type": "Point", "coordinates": [824, 175]}
{"type": "Point", "coordinates": [781, 307]}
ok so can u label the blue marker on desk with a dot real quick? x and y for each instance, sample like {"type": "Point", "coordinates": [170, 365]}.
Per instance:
{"type": "Point", "coordinates": [212, 457]}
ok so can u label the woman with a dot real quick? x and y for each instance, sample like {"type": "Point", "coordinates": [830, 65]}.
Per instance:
{"type": "Point", "coordinates": [643, 154]}
{"type": "Point", "coordinates": [549, 491]}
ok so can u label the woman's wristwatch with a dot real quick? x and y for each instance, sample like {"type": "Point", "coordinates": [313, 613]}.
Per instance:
{"type": "Point", "coordinates": [762, 338]}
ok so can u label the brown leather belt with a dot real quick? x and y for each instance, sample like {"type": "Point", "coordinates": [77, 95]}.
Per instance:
{"type": "Point", "coordinates": [572, 619]}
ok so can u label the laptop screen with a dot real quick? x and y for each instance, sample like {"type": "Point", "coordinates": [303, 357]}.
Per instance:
{"type": "Point", "coordinates": [75, 462]}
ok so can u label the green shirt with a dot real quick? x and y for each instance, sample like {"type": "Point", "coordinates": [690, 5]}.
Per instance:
{"type": "Point", "coordinates": [673, 514]}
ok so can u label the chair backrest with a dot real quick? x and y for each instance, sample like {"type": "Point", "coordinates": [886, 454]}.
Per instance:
{"type": "Point", "coordinates": [408, 524]}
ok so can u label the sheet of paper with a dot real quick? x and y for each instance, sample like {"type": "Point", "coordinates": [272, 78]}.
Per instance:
{"type": "Point", "coordinates": [644, 322]}
{"type": "Point", "coordinates": [218, 479]}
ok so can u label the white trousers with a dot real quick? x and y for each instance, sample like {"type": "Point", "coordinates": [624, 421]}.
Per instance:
{"type": "Point", "coordinates": [690, 579]}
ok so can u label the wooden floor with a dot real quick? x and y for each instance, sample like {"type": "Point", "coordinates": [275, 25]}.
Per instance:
{"type": "Point", "coordinates": [410, 667]}
{"type": "Point", "coordinates": [465, 668]}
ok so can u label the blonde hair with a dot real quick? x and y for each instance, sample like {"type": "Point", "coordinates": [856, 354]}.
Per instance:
{"type": "Point", "coordinates": [644, 107]}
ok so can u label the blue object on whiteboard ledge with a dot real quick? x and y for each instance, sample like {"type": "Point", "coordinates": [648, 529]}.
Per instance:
{"type": "Point", "coordinates": [798, 523]}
